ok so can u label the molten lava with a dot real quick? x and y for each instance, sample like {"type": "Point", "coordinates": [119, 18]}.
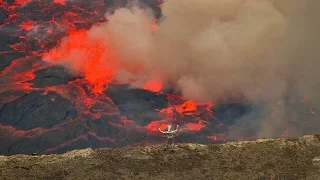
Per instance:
{"type": "Point", "coordinates": [91, 56]}
{"type": "Point", "coordinates": [59, 92]}
{"type": "Point", "coordinates": [62, 2]}
{"type": "Point", "coordinates": [154, 85]}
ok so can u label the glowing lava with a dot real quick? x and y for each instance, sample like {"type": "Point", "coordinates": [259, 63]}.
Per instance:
{"type": "Point", "coordinates": [49, 34]}
{"type": "Point", "coordinates": [62, 2]}
{"type": "Point", "coordinates": [154, 85]}
{"type": "Point", "coordinates": [90, 57]}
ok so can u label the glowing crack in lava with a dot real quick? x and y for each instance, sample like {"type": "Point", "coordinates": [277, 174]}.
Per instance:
{"type": "Point", "coordinates": [73, 100]}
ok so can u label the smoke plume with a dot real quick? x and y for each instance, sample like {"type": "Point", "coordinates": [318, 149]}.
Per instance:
{"type": "Point", "coordinates": [266, 50]}
{"type": "Point", "coordinates": [209, 48]}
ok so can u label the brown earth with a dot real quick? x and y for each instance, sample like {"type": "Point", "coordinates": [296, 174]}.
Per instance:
{"type": "Point", "coordinates": [263, 159]}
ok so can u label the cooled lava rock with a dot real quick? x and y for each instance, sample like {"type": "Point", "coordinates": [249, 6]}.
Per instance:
{"type": "Point", "coordinates": [3, 16]}
{"type": "Point", "coordinates": [53, 76]}
{"type": "Point", "coordinates": [7, 58]}
{"type": "Point", "coordinates": [137, 104]}
{"type": "Point", "coordinates": [37, 110]}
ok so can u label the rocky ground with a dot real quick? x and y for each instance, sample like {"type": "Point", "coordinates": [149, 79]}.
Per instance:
{"type": "Point", "coordinates": [294, 159]}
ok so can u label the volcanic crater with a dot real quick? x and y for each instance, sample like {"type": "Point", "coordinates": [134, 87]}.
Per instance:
{"type": "Point", "coordinates": [47, 108]}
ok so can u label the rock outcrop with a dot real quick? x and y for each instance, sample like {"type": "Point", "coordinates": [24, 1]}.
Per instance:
{"type": "Point", "coordinates": [295, 158]}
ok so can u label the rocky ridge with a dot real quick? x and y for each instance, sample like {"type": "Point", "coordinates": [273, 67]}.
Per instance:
{"type": "Point", "coordinates": [294, 158]}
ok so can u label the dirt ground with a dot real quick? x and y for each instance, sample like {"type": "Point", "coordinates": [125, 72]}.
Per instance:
{"type": "Point", "coordinates": [261, 160]}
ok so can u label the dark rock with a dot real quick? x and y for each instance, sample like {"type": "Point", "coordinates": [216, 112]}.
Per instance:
{"type": "Point", "coordinates": [53, 76]}
{"type": "Point", "coordinates": [137, 104]}
{"type": "Point", "coordinates": [51, 139]}
{"type": "Point", "coordinates": [37, 110]}
{"type": "Point", "coordinates": [154, 5]}
{"type": "Point", "coordinates": [3, 16]}
{"type": "Point", "coordinates": [7, 58]}
{"type": "Point", "coordinates": [103, 128]}
{"type": "Point", "coordinates": [6, 40]}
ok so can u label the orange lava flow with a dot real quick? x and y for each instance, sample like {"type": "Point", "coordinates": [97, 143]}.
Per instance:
{"type": "Point", "coordinates": [22, 2]}
{"type": "Point", "coordinates": [62, 2]}
{"type": "Point", "coordinates": [86, 55]}
{"type": "Point", "coordinates": [194, 126]}
{"type": "Point", "coordinates": [155, 125]}
{"type": "Point", "coordinates": [27, 26]}
{"type": "Point", "coordinates": [154, 85]}
{"type": "Point", "coordinates": [96, 60]}
{"type": "Point", "coordinates": [187, 108]}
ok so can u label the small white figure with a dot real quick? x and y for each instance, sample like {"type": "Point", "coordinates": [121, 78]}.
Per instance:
{"type": "Point", "coordinates": [169, 133]}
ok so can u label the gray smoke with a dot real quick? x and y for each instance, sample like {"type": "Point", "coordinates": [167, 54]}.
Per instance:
{"type": "Point", "coordinates": [266, 50]}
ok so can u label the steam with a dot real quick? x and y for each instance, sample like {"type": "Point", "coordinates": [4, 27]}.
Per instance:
{"type": "Point", "coordinates": [266, 50]}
